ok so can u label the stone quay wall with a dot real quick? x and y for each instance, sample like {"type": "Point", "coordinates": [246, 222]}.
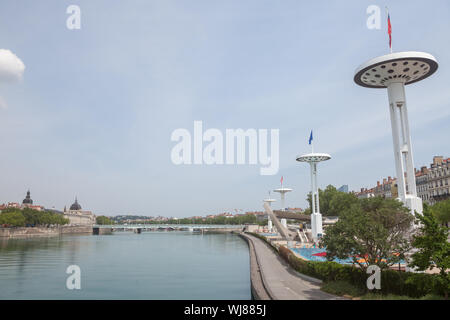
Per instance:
{"type": "Point", "coordinates": [43, 232]}
{"type": "Point", "coordinates": [257, 281]}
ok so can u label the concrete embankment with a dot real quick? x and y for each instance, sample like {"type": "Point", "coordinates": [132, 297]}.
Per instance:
{"type": "Point", "coordinates": [272, 278]}
{"type": "Point", "coordinates": [223, 230]}
{"type": "Point", "coordinates": [259, 291]}
{"type": "Point", "coordinates": [43, 231]}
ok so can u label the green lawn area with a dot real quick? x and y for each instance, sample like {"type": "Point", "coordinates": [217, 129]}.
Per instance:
{"type": "Point", "coordinates": [344, 288]}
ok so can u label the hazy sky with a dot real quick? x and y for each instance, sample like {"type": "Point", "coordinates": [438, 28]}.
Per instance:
{"type": "Point", "coordinates": [94, 110]}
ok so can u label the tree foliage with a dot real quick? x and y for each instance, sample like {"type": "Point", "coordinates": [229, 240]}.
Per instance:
{"type": "Point", "coordinates": [103, 220]}
{"type": "Point", "coordinates": [433, 247]}
{"type": "Point", "coordinates": [15, 217]}
{"type": "Point", "coordinates": [12, 218]}
{"type": "Point", "coordinates": [441, 210]}
{"type": "Point", "coordinates": [370, 231]}
{"type": "Point", "coordinates": [332, 202]}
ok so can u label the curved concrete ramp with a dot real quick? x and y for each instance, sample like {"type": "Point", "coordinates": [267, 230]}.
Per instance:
{"type": "Point", "coordinates": [285, 233]}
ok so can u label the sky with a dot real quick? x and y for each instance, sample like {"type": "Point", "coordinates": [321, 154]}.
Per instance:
{"type": "Point", "coordinates": [89, 112]}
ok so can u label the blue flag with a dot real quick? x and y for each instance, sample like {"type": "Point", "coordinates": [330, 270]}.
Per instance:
{"type": "Point", "coordinates": [310, 137]}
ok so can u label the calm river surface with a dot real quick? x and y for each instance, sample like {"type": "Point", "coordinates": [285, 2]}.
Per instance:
{"type": "Point", "coordinates": [151, 265]}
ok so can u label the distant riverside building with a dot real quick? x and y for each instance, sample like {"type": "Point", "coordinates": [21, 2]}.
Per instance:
{"type": "Point", "coordinates": [294, 209]}
{"type": "Point", "coordinates": [422, 184]}
{"type": "Point", "coordinates": [26, 203]}
{"type": "Point", "coordinates": [439, 180]}
{"type": "Point", "coordinates": [433, 183]}
{"type": "Point", "coordinates": [13, 205]}
{"type": "Point", "coordinates": [77, 216]}
{"type": "Point", "coordinates": [260, 215]}
{"type": "Point", "coordinates": [27, 200]}
{"type": "Point", "coordinates": [365, 193]}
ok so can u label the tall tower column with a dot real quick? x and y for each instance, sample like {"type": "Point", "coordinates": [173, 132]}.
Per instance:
{"type": "Point", "coordinates": [394, 71]}
{"type": "Point", "coordinates": [316, 216]}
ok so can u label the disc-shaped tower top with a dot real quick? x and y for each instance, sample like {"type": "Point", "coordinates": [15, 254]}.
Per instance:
{"type": "Point", "coordinates": [406, 67]}
{"type": "Point", "coordinates": [314, 157]}
{"type": "Point", "coordinates": [269, 200]}
{"type": "Point", "coordinates": [283, 190]}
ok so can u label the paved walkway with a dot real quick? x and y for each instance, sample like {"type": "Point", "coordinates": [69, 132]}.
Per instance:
{"type": "Point", "coordinates": [282, 282]}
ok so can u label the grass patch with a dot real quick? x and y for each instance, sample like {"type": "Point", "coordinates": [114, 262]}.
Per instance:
{"type": "Point", "coordinates": [377, 296]}
{"type": "Point", "coordinates": [341, 288]}
{"type": "Point", "coordinates": [432, 297]}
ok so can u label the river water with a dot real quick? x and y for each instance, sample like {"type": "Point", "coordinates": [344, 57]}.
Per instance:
{"type": "Point", "coordinates": [125, 265]}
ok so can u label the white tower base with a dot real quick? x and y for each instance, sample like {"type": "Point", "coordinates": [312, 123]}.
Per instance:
{"type": "Point", "coordinates": [316, 225]}
{"type": "Point", "coordinates": [284, 223]}
{"type": "Point", "coordinates": [269, 225]}
{"type": "Point", "coordinates": [414, 204]}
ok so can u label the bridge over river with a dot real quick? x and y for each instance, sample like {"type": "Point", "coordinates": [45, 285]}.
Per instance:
{"type": "Point", "coordinates": [138, 228]}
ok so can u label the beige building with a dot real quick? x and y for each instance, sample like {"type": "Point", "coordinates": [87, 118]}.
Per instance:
{"type": "Point", "coordinates": [433, 183]}
{"type": "Point", "coordinates": [422, 184]}
{"type": "Point", "coordinates": [77, 216]}
{"type": "Point", "coordinates": [387, 188]}
{"type": "Point", "coordinates": [365, 193]}
{"type": "Point", "coordinates": [439, 180]}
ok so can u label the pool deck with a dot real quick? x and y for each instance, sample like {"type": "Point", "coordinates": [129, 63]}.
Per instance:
{"type": "Point", "coordinates": [278, 279]}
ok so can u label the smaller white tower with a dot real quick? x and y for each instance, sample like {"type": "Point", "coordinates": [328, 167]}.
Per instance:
{"type": "Point", "coordinates": [282, 192]}
{"type": "Point", "coordinates": [316, 217]}
{"type": "Point", "coordinates": [269, 221]}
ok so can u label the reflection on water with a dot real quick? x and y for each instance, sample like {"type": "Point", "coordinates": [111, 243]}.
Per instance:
{"type": "Point", "coordinates": [151, 265]}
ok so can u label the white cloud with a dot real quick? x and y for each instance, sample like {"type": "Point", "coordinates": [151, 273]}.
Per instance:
{"type": "Point", "coordinates": [11, 67]}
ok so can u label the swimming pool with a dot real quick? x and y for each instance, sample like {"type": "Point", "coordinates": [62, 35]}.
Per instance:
{"type": "Point", "coordinates": [269, 234]}
{"type": "Point", "coordinates": [318, 254]}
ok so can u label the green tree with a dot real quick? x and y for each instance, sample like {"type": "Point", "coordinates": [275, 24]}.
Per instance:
{"type": "Point", "coordinates": [13, 218]}
{"type": "Point", "coordinates": [433, 247]}
{"type": "Point", "coordinates": [441, 210]}
{"type": "Point", "coordinates": [375, 229]}
{"type": "Point", "coordinates": [103, 220]}
{"type": "Point", "coordinates": [332, 202]}
{"type": "Point", "coordinates": [34, 217]}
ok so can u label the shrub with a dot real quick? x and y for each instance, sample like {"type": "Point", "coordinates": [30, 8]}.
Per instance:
{"type": "Point", "coordinates": [341, 287]}
{"type": "Point", "coordinates": [285, 253]}
{"type": "Point", "coordinates": [421, 284]}
{"type": "Point", "coordinates": [394, 283]}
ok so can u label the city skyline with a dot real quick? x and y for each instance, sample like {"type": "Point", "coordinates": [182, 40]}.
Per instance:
{"type": "Point", "coordinates": [93, 113]}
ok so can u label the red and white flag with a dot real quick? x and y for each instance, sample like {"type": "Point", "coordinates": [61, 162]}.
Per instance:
{"type": "Point", "coordinates": [281, 180]}
{"type": "Point", "coordinates": [389, 30]}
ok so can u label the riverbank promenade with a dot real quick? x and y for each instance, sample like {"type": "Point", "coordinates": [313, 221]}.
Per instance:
{"type": "Point", "coordinates": [273, 278]}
